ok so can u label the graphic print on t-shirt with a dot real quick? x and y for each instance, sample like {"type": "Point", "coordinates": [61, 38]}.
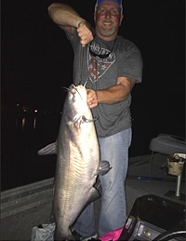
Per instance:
{"type": "Point", "coordinates": [98, 65]}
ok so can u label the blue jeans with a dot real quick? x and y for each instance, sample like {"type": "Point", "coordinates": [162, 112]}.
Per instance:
{"type": "Point", "coordinates": [113, 202]}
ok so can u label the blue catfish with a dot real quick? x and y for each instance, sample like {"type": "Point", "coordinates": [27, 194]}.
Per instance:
{"type": "Point", "coordinates": [78, 162]}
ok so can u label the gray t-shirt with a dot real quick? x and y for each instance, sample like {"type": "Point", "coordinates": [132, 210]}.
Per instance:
{"type": "Point", "coordinates": [101, 72]}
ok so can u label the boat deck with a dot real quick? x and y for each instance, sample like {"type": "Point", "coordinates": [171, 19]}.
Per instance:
{"type": "Point", "coordinates": [24, 207]}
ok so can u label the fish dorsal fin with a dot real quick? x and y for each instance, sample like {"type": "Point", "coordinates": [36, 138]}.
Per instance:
{"type": "Point", "coordinates": [104, 168]}
{"type": "Point", "coordinates": [48, 150]}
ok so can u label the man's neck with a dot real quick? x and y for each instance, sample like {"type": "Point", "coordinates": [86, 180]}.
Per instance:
{"type": "Point", "coordinates": [110, 38]}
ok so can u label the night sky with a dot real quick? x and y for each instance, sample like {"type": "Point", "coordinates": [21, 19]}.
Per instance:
{"type": "Point", "coordinates": [37, 59]}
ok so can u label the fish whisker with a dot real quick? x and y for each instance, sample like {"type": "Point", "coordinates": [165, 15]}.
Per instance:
{"type": "Point", "coordinates": [65, 89]}
{"type": "Point", "coordinates": [85, 83]}
{"type": "Point", "coordinates": [74, 87]}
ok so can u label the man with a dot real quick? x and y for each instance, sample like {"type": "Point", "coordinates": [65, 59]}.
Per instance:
{"type": "Point", "coordinates": [110, 65]}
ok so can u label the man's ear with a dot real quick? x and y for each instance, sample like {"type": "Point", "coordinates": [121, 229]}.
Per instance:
{"type": "Point", "coordinates": [121, 19]}
{"type": "Point", "coordinates": [95, 17]}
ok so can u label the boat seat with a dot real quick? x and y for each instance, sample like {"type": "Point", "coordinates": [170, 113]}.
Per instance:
{"type": "Point", "coordinates": [168, 144]}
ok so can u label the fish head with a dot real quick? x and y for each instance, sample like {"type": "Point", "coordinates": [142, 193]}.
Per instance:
{"type": "Point", "coordinates": [76, 103]}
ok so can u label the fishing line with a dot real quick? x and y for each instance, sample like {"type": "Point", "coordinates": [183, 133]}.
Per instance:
{"type": "Point", "coordinates": [81, 53]}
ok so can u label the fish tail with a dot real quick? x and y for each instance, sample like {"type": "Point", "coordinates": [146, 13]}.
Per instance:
{"type": "Point", "coordinates": [61, 236]}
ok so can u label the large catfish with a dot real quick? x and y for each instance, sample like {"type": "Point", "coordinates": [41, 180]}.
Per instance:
{"type": "Point", "coordinates": [78, 162]}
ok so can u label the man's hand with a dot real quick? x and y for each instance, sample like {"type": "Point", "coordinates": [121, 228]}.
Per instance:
{"type": "Point", "coordinates": [84, 33]}
{"type": "Point", "coordinates": [92, 98]}
{"type": "Point", "coordinates": [112, 95]}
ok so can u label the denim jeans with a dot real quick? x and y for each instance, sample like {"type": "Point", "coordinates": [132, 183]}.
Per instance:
{"type": "Point", "coordinates": [113, 202]}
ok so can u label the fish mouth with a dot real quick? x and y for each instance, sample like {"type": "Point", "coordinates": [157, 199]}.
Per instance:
{"type": "Point", "coordinates": [73, 90]}
{"type": "Point", "coordinates": [76, 104]}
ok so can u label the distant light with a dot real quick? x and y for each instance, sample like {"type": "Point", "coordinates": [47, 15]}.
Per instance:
{"type": "Point", "coordinates": [18, 104]}
{"type": "Point", "coordinates": [23, 123]}
{"type": "Point", "coordinates": [34, 123]}
{"type": "Point", "coordinates": [35, 111]}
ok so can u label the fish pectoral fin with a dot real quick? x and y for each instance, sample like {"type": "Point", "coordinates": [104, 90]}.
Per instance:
{"type": "Point", "coordinates": [85, 120]}
{"type": "Point", "coordinates": [78, 121]}
{"type": "Point", "coordinates": [48, 150]}
{"type": "Point", "coordinates": [82, 120]}
{"type": "Point", "coordinates": [104, 168]}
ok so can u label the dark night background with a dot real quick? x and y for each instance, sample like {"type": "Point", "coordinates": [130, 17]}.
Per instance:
{"type": "Point", "coordinates": [37, 63]}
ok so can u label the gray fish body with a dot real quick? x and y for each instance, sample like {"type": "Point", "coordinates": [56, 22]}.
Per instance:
{"type": "Point", "coordinates": [78, 162]}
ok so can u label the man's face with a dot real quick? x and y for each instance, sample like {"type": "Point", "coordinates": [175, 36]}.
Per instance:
{"type": "Point", "coordinates": [108, 17]}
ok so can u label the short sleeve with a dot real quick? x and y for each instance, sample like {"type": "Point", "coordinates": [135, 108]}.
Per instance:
{"type": "Point", "coordinates": [130, 63]}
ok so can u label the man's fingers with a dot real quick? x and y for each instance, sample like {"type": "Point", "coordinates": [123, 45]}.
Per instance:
{"type": "Point", "coordinates": [85, 34]}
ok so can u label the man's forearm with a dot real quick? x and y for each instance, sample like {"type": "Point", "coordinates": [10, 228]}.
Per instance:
{"type": "Point", "coordinates": [64, 15]}
{"type": "Point", "coordinates": [116, 93]}
{"type": "Point", "coordinates": [112, 95]}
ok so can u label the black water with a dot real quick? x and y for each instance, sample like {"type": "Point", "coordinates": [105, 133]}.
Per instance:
{"type": "Point", "coordinates": [23, 134]}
